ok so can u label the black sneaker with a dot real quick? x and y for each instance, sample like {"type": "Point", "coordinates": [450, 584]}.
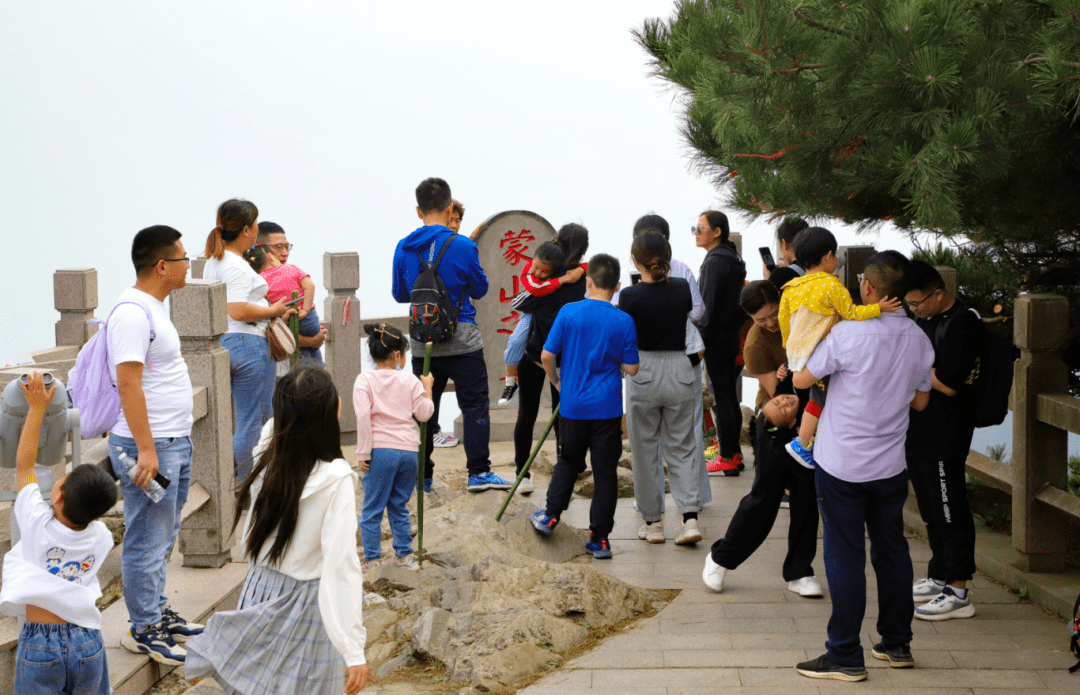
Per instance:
{"type": "Point", "coordinates": [156, 643]}
{"type": "Point", "coordinates": [898, 657]}
{"type": "Point", "coordinates": [180, 629]}
{"type": "Point", "coordinates": [508, 393]}
{"type": "Point", "coordinates": [821, 667]}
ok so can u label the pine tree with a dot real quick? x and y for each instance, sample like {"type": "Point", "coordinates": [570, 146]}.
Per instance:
{"type": "Point", "coordinates": [954, 117]}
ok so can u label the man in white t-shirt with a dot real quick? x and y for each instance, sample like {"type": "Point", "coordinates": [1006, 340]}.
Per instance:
{"type": "Point", "coordinates": [154, 429]}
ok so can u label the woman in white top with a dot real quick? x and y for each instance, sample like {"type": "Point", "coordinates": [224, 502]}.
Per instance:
{"type": "Point", "coordinates": [299, 622]}
{"type": "Point", "coordinates": [250, 366]}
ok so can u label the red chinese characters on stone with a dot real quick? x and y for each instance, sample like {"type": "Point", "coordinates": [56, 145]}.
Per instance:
{"type": "Point", "coordinates": [515, 248]}
{"type": "Point", "coordinates": [511, 320]}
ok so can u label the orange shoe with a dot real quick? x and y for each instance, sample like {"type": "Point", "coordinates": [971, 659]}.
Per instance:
{"type": "Point", "coordinates": [726, 467]}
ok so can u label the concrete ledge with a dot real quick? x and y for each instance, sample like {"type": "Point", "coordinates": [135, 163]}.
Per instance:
{"type": "Point", "coordinates": [997, 559]}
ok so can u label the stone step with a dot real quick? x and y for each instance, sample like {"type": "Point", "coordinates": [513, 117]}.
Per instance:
{"type": "Point", "coordinates": [194, 593]}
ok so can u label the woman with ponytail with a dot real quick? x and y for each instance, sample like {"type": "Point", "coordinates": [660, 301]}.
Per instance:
{"type": "Point", "coordinates": [660, 398]}
{"type": "Point", "coordinates": [250, 365]}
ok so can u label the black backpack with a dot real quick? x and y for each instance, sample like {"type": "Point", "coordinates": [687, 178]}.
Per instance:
{"type": "Point", "coordinates": [994, 377]}
{"type": "Point", "coordinates": [432, 314]}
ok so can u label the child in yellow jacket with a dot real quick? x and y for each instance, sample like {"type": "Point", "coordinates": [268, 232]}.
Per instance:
{"type": "Point", "coordinates": [809, 307]}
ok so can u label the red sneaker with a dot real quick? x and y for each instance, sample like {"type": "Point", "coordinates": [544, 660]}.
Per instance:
{"type": "Point", "coordinates": [726, 467]}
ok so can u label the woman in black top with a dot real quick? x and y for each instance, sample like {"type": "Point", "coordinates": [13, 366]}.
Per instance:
{"type": "Point", "coordinates": [574, 241]}
{"type": "Point", "coordinates": [721, 281]}
{"type": "Point", "coordinates": [660, 398]}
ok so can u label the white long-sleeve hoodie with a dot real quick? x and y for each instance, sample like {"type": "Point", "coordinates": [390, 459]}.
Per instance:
{"type": "Point", "coordinates": [324, 547]}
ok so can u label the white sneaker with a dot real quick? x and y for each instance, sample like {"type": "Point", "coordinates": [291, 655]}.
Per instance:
{"type": "Point", "coordinates": [525, 487]}
{"type": "Point", "coordinates": [687, 533]}
{"type": "Point", "coordinates": [926, 589]}
{"type": "Point", "coordinates": [654, 532]}
{"type": "Point", "coordinates": [946, 606]}
{"type": "Point", "coordinates": [443, 440]}
{"type": "Point", "coordinates": [807, 586]}
{"type": "Point", "coordinates": [713, 574]}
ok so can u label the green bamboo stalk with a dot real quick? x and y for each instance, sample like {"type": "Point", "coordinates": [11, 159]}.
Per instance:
{"type": "Point", "coordinates": [294, 326]}
{"type": "Point", "coordinates": [525, 468]}
{"type": "Point", "coordinates": [420, 472]}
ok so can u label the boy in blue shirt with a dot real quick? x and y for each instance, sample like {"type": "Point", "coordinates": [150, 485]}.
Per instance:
{"type": "Point", "coordinates": [593, 340]}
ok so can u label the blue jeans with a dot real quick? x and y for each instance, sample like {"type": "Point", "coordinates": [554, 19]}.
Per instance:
{"type": "Point", "coordinates": [310, 326]}
{"type": "Point", "coordinates": [846, 509]}
{"type": "Point", "coordinates": [515, 345]}
{"type": "Point", "coordinates": [252, 373]}
{"type": "Point", "coordinates": [150, 529]}
{"type": "Point", "coordinates": [469, 373]}
{"type": "Point", "coordinates": [60, 658]}
{"type": "Point", "coordinates": [388, 485]}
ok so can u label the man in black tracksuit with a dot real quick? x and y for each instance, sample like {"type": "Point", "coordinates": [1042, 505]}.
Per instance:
{"type": "Point", "coordinates": [938, 442]}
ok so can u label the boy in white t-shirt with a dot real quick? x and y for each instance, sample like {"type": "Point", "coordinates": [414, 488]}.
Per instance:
{"type": "Point", "coordinates": [50, 576]}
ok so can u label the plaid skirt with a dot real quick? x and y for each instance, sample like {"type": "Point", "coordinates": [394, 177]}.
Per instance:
{"type": "Point", "coordinates": [274, 643]}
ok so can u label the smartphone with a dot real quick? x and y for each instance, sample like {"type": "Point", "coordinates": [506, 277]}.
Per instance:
{"type": "Point", "coordinates": [635, 278]}
{"type": "Point", "coordinates": [767, 258]}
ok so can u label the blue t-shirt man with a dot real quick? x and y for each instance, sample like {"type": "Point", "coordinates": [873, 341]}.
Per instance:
{"type": "Point", "coordinates": [593, 338]}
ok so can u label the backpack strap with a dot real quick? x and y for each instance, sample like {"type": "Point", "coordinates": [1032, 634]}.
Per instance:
{"type": "Point", "coordinates": [438, 259]}
{"type": "Point", "coordinates": [149, 318]}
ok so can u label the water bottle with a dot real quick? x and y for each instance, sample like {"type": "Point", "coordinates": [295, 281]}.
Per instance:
{"type": "Point", "coordinates": [156, 490]}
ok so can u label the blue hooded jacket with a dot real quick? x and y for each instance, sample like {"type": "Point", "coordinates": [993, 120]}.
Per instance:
{"type": "Point", "coordinates": [460, 268]}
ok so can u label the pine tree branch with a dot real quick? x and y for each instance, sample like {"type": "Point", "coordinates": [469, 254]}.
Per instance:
{"type": "Point", "coordinates": [1042, 59]}
{"type": "Point", "coordinates": [800, 68]}
{"type": "Point", "coordinates": [800, 14]}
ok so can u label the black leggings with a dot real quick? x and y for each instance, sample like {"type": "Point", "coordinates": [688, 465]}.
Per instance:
{"type": "Point", "coordinates": [723, 376]}
{"type": "Point", "coordinates": [530, 387]}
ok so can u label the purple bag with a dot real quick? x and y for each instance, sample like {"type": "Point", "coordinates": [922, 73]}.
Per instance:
{"type": "Point", "coordinates": [90, 384]}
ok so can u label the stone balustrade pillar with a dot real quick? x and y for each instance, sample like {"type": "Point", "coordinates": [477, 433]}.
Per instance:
{"type": "Point", "coordinates": [75, 296]}
{"type": "Point", "coordinates": [855, 260]}
{"type": "Point", "coordinates": [1039, 450]}
{"type": "Point", "coordinates": [949, 275]}
{"type": "Point", "coordinates": [341, 310]}
{"type": "Point", "coordinates": [199, 313]}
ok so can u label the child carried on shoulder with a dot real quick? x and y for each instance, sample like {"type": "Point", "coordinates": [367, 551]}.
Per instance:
{"type": "Point", "coordinates": [809, 307]}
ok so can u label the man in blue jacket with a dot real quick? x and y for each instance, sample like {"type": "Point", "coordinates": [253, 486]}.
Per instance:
{"type": "Point", "coordinates": [462, 357]}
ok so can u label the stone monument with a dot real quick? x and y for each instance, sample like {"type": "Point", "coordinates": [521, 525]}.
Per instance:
{"type": "Point", "coordinates": [506, 242]}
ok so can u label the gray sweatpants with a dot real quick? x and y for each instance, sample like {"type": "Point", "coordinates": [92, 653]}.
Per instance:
{"type": "Point", "coordinates": [660, 414]}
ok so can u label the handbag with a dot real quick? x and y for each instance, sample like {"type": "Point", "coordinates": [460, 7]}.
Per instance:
{"type": "Point", "coordinates": [280, 339]}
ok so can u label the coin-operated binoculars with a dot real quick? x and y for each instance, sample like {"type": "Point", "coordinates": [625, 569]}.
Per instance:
{"type": "Point", "coordinates": [59, 421]}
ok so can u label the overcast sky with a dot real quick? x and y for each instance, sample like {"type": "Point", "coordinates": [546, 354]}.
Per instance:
{"type": "Point", "coordinates": [119, 115]}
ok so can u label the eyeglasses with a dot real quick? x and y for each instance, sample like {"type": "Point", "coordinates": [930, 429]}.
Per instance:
{"type": "Point", "coordinates": [279, 247]}
{"type": "Point", "coordinates": [185, 259]}
{"type": "Point", "coordinates": [915, 305]}
{"type": "Point", "coordinates": [695, 229]}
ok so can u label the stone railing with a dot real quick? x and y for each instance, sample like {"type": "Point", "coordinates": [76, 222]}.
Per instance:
{"type": "Point", "coordinates": [199, 313]}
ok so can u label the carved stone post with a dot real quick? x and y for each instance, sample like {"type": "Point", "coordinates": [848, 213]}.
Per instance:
{"type": "Point", "coordinates": [952, 282]}
{"type": "Point", "coordinates": [855, 260]}
{"type": "Point", "coordinates": [75, 296]}
{"type": "Point", "coordinates": [1039, 450]}
{"type": "Point", "coordinates": [199, 314]}
{"type": "Point", "coordinates": [341, 278]}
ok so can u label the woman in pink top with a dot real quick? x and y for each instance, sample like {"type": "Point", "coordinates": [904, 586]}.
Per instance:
{"type": "Point", "coordinates": [386, 400]}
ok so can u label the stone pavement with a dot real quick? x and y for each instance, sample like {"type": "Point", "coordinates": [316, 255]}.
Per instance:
{"type": "Point", "coordinates": [749, 638]}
